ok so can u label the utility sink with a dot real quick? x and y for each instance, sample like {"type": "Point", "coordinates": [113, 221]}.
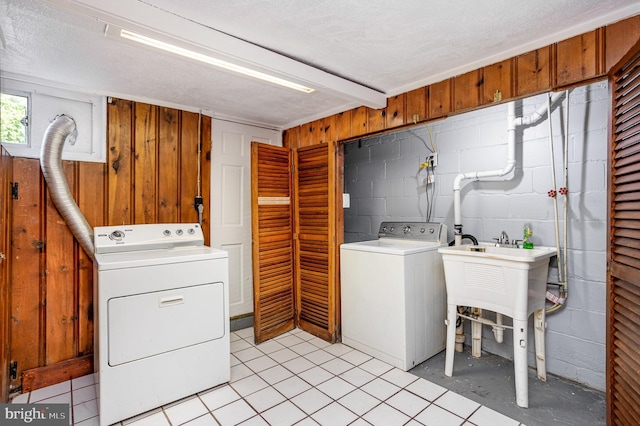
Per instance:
{"type": "Point", "coordinates": [507, 280]}
{"type": "Point", "coordinates": [492, 251]}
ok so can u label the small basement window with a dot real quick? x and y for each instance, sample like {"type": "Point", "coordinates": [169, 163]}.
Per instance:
{"type": "Point", "coordinates": [29, 108]}
{"type": "Point", "coordinates": [14, 118]}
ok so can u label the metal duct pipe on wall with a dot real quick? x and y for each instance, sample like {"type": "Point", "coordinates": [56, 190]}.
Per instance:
{"type": "Point", "coordinates": [51, 165]}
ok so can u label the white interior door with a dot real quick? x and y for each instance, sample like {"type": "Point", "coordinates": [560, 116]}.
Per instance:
{"type": "Point", "coordinates": [231, 203]}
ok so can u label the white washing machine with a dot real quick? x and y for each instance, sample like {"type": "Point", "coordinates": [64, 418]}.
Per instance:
{"type": "Point", "coordinates": [161, 314]}
{"type": "Point", "coordinates": [393, 293]}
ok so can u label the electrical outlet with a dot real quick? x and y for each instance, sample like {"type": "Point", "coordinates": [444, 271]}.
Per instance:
{"type": "Point", "coordinates": [432, 159]}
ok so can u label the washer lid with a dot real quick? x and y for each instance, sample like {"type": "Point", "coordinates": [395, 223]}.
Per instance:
{"type": "Point", "coordinates": [393, 246]}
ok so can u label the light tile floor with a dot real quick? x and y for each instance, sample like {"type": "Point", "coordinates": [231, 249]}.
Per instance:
{"type": "Point", "coordinates": [295, 379]}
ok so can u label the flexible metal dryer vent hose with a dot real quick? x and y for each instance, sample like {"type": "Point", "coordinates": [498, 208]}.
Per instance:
{"type": "Point", "coordinates": [51, 164]}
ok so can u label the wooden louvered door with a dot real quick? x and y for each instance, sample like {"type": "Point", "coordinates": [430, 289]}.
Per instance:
{"type": "Point", "coordinates": [623, 346]}
{"type": "Point", "coordinates": [272, 233]}
{"type": "Point", "coordinates": [315, 240]}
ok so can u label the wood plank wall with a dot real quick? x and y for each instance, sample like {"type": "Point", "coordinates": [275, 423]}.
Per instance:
{"type": "Point", "coordinates": [568, 63]}
{"type": "Point", "coordinates": [153, 154]}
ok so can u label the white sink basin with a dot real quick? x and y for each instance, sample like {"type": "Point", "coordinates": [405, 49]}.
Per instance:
{"type": "Point", "coordinates": [511, 281]}
{"type": "Point", "coordinates": [487, 250]}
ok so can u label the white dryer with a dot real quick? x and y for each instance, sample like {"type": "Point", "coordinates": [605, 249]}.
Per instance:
{"type": "Point", "coordinates": [161, 314]}
{"type": "Point", "coordinates": [393, 295]}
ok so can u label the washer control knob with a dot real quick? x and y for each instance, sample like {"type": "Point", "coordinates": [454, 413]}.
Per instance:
{"type": "Point", "coordinates": [431, 230]}
{"type": "Point", "coordinates": [116, 235]}
{"type": "Point", "coordinates": [166, 232]}
{"type": "Point", "coordinates": [392, 229]}
{"type": "Point", "coordinates": [191, 231]}
{"type": "Point", "coordinates": [179, 232]}
{"type": "Point", "coordinates": [384, 229]}
{"type": "Point", "coordinates": [422, 230]}
{"type": "Point", "coordinates": [406, 230]}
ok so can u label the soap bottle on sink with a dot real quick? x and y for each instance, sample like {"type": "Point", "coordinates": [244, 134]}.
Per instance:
{"type": "Point", "coordinates": [526, 240]}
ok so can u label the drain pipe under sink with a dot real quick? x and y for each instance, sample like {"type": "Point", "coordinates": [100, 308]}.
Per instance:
{"type": "Point", "coordinates": [512, 123]}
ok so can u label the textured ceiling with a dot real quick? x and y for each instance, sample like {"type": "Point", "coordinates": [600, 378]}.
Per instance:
{"type": "Point", "coordinates": [391, 47]}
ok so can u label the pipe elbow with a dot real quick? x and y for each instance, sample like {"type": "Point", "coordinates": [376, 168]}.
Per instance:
{"type": "Point", "coordinates": [511, 165]}
{"type": "Point", "coordinates": [457, 181]}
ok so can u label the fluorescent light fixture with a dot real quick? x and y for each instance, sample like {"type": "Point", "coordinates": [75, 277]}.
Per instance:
{"type": "Point", "coordinates": [167, 47]}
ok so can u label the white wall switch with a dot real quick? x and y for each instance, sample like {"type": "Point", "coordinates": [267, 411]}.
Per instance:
{"type": "Point", "coordinates": [346, 201]}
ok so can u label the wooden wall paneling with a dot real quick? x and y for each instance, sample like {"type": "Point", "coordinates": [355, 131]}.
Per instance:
{"type": "Point", "coordinates": [40, 377]}
{"type": "Point", "coordinates": [360, 121]}
{"type": "Point", "coordinates": [91, 200]}
{"type": "Point", "coordinates": [6, 171]}
{"type": "Point", "coordinates": [317, 132]}
{"type": "Point", "coordinates": [145, 163]}
{"type": "Point", "coordinates": [27, 245]}
{"type": "Point", "coordinates": [119, 161]}
{"type": "Point", "coordinates": [619, 38]}
{"type": "Point", "coordinates": [416, 109]}
{"type": "Point", "coordinates": [534, 72]}
{"type": "Point", "coordinates": [205, 167]}
{"type": "Point", "coordinates": [306, 134]}
{"type": "Point", "coordinates": [60, 279]}
{"type": "Point", "coordinates": [312, 133]}
{"type": "Point", "coordinates": [343, 125]}
{"type": "Point", "coordinates": [396, 111]}
{"type": "Point", "coordinates": [376, 120]}
{"type": "Point", "coordinates": [328, 129]}
{"type": "Point", "coordinates": [498, 82]}
{"type": "Point", "coordinates": [579, 58]}
{"type": "Point", "coordinates": [168, 166]}
{"type": "Point", "coordinates": [291, 137]}
{"type": "Point", "coordinates": [439, 104]}
{"type": "Point", "coordinates": [467, 90]}
{"type": "Point", "coordinates": [188, 167]}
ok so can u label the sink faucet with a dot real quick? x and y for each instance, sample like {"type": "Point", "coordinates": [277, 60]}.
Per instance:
{"type": "Point", "coordinates": [504, 239]}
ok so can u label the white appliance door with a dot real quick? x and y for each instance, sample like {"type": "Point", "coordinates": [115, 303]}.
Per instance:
{"type": "Point", "coordinates": [148, 324]}
{"type": "Point", "coordinates": [231, 203]}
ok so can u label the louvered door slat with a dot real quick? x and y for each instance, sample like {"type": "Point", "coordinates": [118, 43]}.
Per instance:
{"type": "Point", "coordinates": [272, 230]}
{"type": "Point", "coordinates": [623, 343]}
{"type": "Point", "coordinates": [632, 156]}
{"type": "Point", "coordinates": [627, 118]}
{"type": "Point", "coordinates": [627, 141]}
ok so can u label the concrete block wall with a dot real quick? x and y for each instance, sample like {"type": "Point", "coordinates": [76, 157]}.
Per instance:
{"type": "Point", "coordinates": [383, 179]}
